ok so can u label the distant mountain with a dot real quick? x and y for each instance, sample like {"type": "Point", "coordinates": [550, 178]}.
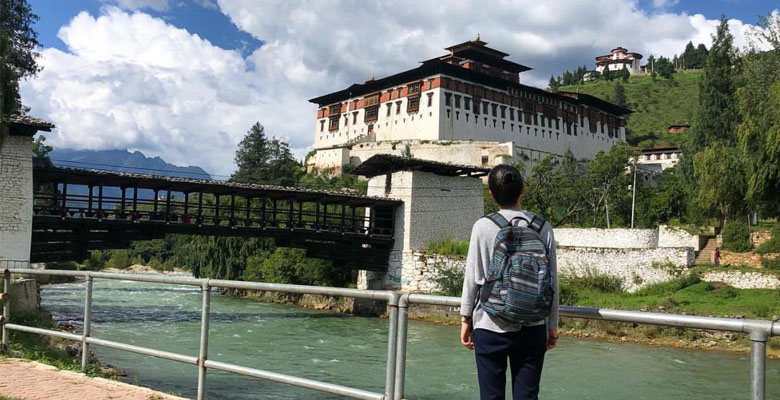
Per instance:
{"type": "Point", "coordinates": [123, 161]}
{"type": "Point", "coordinates": [119, 161]}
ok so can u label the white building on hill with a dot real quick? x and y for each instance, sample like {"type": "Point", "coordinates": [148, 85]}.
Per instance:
{"type": "Point", "coordinates": [619, 58]}
{"type": "Point", "coordinates": [465, 107]}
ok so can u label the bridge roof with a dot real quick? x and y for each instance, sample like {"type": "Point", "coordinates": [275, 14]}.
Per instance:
{"type": "Point", "coordinates": [381, 164]}
{"type": "Point", "coordinates": [81, 176]}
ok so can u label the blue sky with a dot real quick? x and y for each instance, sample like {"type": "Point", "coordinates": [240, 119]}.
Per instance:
{"type": "Point", "coordinates": [185, 79]}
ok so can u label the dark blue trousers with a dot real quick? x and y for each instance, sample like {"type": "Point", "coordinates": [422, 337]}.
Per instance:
{"type": "Point", "coordinates": [525, 351]}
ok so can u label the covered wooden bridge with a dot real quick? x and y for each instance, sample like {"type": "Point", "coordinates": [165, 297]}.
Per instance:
{"type": "Point", "coordinates": [77, 210]}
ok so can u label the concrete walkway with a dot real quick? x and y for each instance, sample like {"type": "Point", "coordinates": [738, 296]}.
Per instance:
{"type": "Point", "coordinates": [29, 380]}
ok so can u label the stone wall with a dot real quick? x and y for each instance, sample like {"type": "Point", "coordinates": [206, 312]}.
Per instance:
{"type": "Point", "coordinates": [25, 294]}
{"type": "Point", "coordinates": [607, 238]}
{"type": "Point", "coordinates": [635, 267]}
{"type": "Point", "coordinates": [434, 208]}
{"type": "Point", "coordinates": [421, 270]}
{"type": "Point", "coordinates": [16, 196]}
{"type": "Point", "coordinates": [671, 236]}
{"type": "Point", "coordinates": [743, 280]}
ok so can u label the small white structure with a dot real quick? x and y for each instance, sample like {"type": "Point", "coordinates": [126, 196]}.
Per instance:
{"type": "Point", "coordinates": [440, 201]}
{"type": "Point", "coordinates": [16, 187]}
{"type": "Point", "coordinates": [618, 59]}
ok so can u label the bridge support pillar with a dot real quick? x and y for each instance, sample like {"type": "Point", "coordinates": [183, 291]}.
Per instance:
{"type": "Point", "coordinates": [435, 207]}
{"type": "Point", "coordinates": [16, 197]}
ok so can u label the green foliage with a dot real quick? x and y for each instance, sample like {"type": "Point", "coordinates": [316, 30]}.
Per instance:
{"type": "Point", "coordinates": [619, 95]}
{"type": "Point", "coordinates": [694, 57]}
{"type": "Point", "coordinates": [655, 105]}
{"type": "Point", "coordinates": [449, 247]}
{"type": "Point", "coordinates": [592, 280]}
{"type": "Point", "coordinates": [669, 287]}
{"type": "Point", "coordinates": [736, 237]}
{"type": "Point", "coordinates": [759, 130]}
{"type": "Point", "coordinates": [664, 203]}
{"type": "Point", "coordinates": [283, 265]}
{"type": "Point", "coordinates": [716, 118]}
{"type": "Point", "coordinates": [265, 161]}
{"type": "Point", "coordinates": [720, 180]}
{"type": "Point", "coordinates": [773, 244]}
{"type": "Point", "coordinates": [449, 278]}
{"type": "Point", "coordinates": [771, 263]}
{"type": "Point", "coordinates": [664, 67]}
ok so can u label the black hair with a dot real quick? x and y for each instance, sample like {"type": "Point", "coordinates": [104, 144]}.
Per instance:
{"type": "Point", "coordinates": [506, 184]}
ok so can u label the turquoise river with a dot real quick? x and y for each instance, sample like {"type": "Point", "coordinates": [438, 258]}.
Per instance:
{"type": "Point", "coordinates": [350, 350]}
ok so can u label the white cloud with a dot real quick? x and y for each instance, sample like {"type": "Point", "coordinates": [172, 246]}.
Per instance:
{"type": "Point", "coordinates": [131, 80]}
{"type": "Point", "coordinates": [157, 5]}
{"type": "Point", "coordinates": [665, 3]}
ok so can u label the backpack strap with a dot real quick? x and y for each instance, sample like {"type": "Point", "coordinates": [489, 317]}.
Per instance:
{"type": "Point", "coordinates": [499, 220]}
{"type": "Point", "coordinates": [537, 223]}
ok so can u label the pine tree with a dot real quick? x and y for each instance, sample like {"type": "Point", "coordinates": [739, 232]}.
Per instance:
{"type": "Point", "coordinates": [716, 118]}
{"type": "Point", "coordinates": [264, 161]}
{"type": "Point", "coordinates": [619, 95]}
{"type": "Point", "coordinates": [701, 56]}
{"type": "Point", "coordinates": [553, 85]}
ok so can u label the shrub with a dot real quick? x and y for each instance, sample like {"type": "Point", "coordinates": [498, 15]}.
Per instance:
{"type": "Point", "coordinates": [670, 286]}
{"type": "Point", "coordinates": [591, 280]}
{"type": "Point", "coordinates": [736, 237]}
{"type": "Point", "coordinates": [449, 247]}
{"type": "Point", "coordinates": [772, 245]}
{"type": "Point", "coordinates": [773, 264]}
{"type": "Point", "coordinates": [449, 278]}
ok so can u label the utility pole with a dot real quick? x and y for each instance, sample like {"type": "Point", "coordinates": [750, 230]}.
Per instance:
{"type": "Point", "coordinates": [633, 196]}
{"type": "Point", "coordinates": [606, 207]}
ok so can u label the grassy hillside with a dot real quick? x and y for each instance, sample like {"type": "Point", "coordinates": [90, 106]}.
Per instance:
{"type": "Point", "coordinates": [656, 104]}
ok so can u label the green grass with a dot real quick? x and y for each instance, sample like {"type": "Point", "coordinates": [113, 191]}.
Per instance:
{"type": "Point", "coordinates": [449, 247]}
{"type": "Point", "coordinates": [9, 398]}
{"type": "Point", "coordinates": [687, 295]}
{"type": "Point", "coordinates": [39, 348]}
{"type": "Point", "coordinates": [656, 104]}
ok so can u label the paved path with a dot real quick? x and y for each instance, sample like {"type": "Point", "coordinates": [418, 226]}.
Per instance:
{"type": "Point", "coordinates": [30, 380]}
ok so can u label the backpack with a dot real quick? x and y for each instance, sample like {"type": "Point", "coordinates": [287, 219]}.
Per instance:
{"type": "Point", "coordinates": [518, 287]}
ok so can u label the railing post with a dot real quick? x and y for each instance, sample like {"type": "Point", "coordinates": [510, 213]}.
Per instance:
{"type": "Point", "coordinates": [400, 359]}
{"type": "Point", "coordinates": [758, 338]}
{"type": "Point", "coordinates": [204, 339]}
{"type": "Point", "coordinates": [392, 339]}
{"type": "Point", "coordinates": [87, 324]}
{"type": "Point", "coordinates": [6, 308]}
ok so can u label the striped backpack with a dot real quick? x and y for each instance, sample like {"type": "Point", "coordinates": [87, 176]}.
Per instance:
{"type": "Point", "coordinates": [518, 287]}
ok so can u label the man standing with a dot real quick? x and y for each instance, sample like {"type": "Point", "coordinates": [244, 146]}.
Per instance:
{"type": "Point", "coordinates": [516, 318]}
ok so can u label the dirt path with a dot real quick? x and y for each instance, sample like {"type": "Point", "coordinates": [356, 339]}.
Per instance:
{"type": "Point", "coordinates": [30, 380]}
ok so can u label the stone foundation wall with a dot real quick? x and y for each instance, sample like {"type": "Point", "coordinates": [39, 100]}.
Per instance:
{"type": "Point", "coordinates": [25, 294]}
{"type": "Point", "coordinates": [636, 268]}
{"type": "Point", "coordinates": [15, 198]}
{"type": "Point", "coordinates": [421, 270]}
{"type": "Point", "coordinates": [607, 238]}
{"type": "Point", "coordinates": [743, 280]}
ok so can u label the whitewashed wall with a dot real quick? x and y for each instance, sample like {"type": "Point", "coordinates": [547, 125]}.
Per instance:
{"type": "Point", "coordinates": [16, 198]}
{"type": "Point", "coordinates": [607, 238]}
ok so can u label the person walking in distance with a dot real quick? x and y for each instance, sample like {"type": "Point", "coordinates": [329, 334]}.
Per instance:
{"type": "Point", "coordinates": [509, 306]}
{"type": "Point", "coordinates": [716, 257]}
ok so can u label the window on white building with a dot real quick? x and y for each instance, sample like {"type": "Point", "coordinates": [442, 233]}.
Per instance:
{"type": "Point", "coordinates": [430, 99]}
{"type": "Point", "coordinates": [448, 99]}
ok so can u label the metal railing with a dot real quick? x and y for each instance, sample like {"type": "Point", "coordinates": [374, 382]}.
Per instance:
{"type": "Point", "coordinates": [398, 318]}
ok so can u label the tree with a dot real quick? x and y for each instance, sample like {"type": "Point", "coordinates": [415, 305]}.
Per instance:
{"type": "Point", "coordinates": [18, 43]}
{"type": "Point", "coordinates": [759, 130]}
{"type": "Point", "coordinates": [625, 74]}
{"type": "Point", "coordinates": [263, 161]}
{"type": "Point", "coordinates": [716, 117]}
{"type": "Point", "coordinates": [619, 95]}
{"type": "Point", "coordinates": [700, 56]}
{"type": "Point", "coordinates": [688, 57]}
{"type": "Point", "coordinates": [16, 21]}
{"type": "Point", "coordinates": [664, 66]}
{"type": "Point", "coordinates": [768, 30]}
{"type": "Point", "coordinates": [721, 188]}
{"type": "Point", "coordinates": [606, 181]}
{"type": "Point", "coordinates": [553, 85]}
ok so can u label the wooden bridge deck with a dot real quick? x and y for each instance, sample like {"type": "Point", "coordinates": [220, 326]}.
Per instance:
{"type": "Point", "coordinates": [29, 380]}
{"type": "Point", "coordinates": [78, 210]}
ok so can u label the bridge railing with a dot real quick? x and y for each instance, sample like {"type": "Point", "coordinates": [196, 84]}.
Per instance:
{"type": "Point", "coordinates": [759, 331]}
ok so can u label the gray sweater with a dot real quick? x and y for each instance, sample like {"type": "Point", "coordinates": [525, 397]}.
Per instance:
{"type": "Point", "coordinates": [483, 236]}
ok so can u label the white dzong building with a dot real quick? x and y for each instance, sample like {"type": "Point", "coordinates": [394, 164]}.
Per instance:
{"type": "Point", "coordinates": [465, 107]}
